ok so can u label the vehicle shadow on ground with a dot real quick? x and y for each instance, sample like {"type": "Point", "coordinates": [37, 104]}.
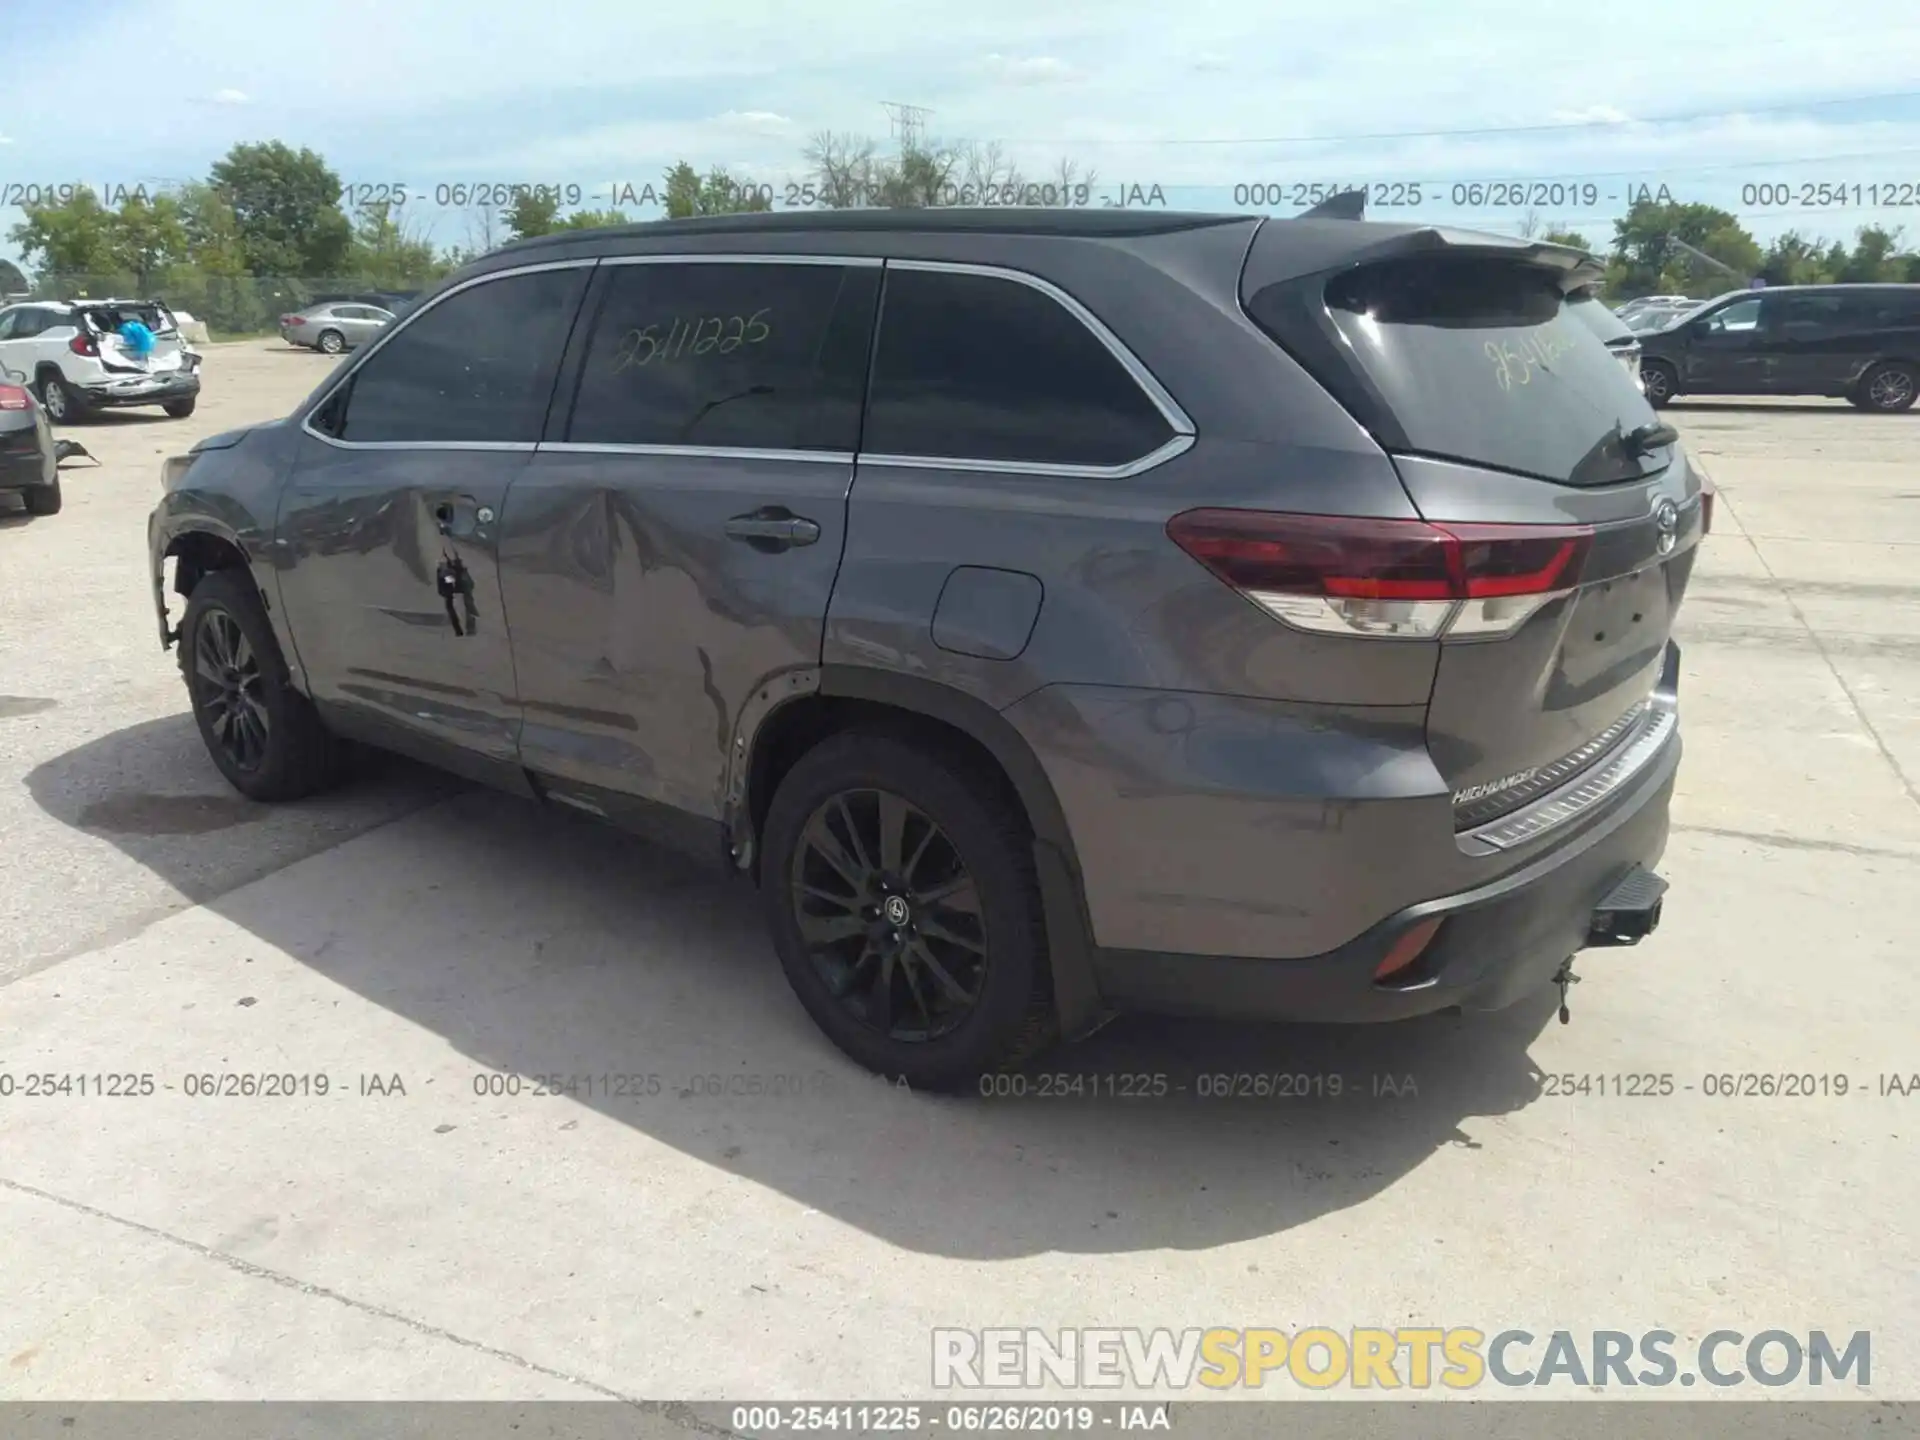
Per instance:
{"type": "Point", "coordinates": [539, 943]}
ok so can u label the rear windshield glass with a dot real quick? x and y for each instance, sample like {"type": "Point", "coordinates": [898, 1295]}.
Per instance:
{"type": "Point", "coordinates": [1481, 360]}
{"type": "Point", "coordinates": [109, 318]}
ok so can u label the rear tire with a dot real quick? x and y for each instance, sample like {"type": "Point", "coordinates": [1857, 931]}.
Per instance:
{"type": "Point", "coordinates": [1888, 388]}
{"type": "Point", "coordinates": [964, 994]}
{"type": "Point", "coordinates": [43, 499]}
{"type": "Point", "coordinates": [263, 734]}
{"type": "Point", "coordinates": [332, 342]}
{"type": "Point", "coordinates": [180, 409]}
{"type": "Point", "coordinates": [62, 405]}
{"type": "Point", "coordinates": [1660, 382]}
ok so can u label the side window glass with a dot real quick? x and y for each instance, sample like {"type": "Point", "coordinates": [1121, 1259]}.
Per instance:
{"type": "Point", "coordinates": [28, 323]}
{"type": "Point", "coordinates": [723, 355]}
{"type": "Point", "coordinates": [477, 367]}
{"type": "Point", "coordinates": [6, 323]}
{"type": "Point", "coordinates": [978, 367]}
{"type": "Point", "coordinates": [1741, 315]}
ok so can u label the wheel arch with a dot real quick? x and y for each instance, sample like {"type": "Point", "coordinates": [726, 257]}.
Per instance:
{"type": "Point", "coordinates": [836, 697]}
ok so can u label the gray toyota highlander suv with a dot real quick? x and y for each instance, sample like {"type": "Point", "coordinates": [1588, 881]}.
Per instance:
{"type": "Point", "coordinates": [1052, 613]}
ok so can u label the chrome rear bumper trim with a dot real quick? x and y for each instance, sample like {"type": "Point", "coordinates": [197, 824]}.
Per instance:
{"type": "Point", "coordinates": [1581, 794]}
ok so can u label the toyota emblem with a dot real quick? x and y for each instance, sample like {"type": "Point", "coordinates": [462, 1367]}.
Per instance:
{"type": "Point", "coordinates": [897, 911]}
{"type": "Point", "coordinates": [1666, 519]}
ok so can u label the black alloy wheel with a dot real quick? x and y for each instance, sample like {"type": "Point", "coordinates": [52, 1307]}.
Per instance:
{"type": "Point", "coordinates": [898, 879]}
{"type": "Point", "coordinates": [890, 915]}
{"type": "Point", "coordinates": [231, 689]}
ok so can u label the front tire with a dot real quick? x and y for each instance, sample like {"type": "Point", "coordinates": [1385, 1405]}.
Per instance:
{"type": "Point", "coordinates": [263, 734]}
{"type": "Point", "coordinates": [43, 499]}
{"type": "Point", "coordinates": [899, 888]}
{"type": "Point", "coordinates": [180, 409]}
{"type": "Point", "coordinates": [1660, 383]}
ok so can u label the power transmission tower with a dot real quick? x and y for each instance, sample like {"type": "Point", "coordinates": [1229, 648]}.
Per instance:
{"type": "Point", "coordinates": [908, 123]}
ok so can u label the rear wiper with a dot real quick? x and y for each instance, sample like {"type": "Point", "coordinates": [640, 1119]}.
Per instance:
{"type": "Point", "coordinates": [1653, 435]}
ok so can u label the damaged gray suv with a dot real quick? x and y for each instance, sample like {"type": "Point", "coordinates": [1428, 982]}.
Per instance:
{"type": "Point", "coordinates": [1051, 613]}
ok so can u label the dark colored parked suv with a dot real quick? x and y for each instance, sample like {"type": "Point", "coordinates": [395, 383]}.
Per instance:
{"type": "Point", "coordinates": [1053, 613]}
{"type": "Point", "coordinates": [1860, 342]}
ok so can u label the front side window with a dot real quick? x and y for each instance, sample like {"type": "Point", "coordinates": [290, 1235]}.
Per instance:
{"type": "Point", "coordinates": [980, 367]}
{"type": "Point", "coordinates": [722, 355]}
{"type": "Point", "coordinates": [29, 323]}
{"type": "Point", "coordinates": [1741, 315]}
{"type": "Point", "coordinates": [478, 367]}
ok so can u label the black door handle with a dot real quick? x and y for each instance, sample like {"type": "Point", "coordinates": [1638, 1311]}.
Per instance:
{"type": "Point", "coordinates": [773, 527]}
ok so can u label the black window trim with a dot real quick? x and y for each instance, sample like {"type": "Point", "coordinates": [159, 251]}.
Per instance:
{"type": "Point", "coordinates": [1176, 444]}
{"type": "Point", "coordinates": [391, 333]}
{"type": "Point", "coordinates": [717, 452]}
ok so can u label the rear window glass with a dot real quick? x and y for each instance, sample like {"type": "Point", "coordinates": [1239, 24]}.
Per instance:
{"type": "Point", "coordinates": [1481, 360]}
{"type": "Point", "coordinates": [109, 318]}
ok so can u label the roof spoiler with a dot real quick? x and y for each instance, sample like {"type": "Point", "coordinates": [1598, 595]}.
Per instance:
{"type": "Point", "coordinates": [1347, 205]}
{"type": "Point", "coordinates": [1314, 243]}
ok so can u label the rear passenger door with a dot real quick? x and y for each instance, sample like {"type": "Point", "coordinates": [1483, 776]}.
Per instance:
{"type": "Point", "coordinates": [1810, 342]}
{"type": "Point", "coordinates": [672, 547]}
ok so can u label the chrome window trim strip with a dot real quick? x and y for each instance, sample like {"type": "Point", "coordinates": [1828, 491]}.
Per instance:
{"type": "Point", "coordinates": [1580, 795]}
{"type": "Point", "coordinates": [704, 452]}
{"type": "Point", "coordinates": [744, 257]}
{"type": "Point", "coordinates": [386, 338]}
{"type": "Point", "coordinates": [1176, 445]}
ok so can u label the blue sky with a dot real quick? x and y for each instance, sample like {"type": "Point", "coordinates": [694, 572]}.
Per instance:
{"type": "Point", "coordinates": [1197, 98]}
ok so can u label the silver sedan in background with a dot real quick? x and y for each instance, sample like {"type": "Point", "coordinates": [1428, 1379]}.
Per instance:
{"type": "Point", "coordinates": [334, 328]}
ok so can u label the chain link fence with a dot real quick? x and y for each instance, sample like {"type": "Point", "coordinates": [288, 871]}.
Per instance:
{"type": "Point", "coordinates": [228, 305]}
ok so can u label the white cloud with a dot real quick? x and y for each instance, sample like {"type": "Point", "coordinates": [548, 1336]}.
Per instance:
{"type": "Point", "coordinates": [1208, 60]}
{"type": "Point", "coordinates": [1030, 70]}
{"type": "Point", "coordinates": [1593, 114]}
{"type": "Point", "coordinates": [228, 97]}
{"type": "Point", "coordinates": [764, 122]}
{"type": "Point", "coordinates": [6, 139]}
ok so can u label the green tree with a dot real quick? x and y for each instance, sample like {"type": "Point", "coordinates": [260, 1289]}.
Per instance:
{"type": "Point", "coordinates": [149, 238]}
{"type": "Point", "coordinates": [688, 193]}
{"type": "Point", "coordinates": [592, 220]}
{"type": "Point", "coordinates": [1571, 238]}
{"type": "Point", "coordinates": [1793, 259]}
{"type": "Point", "coordinates": [287, 205]}
{"type": "Point", "coordinates": [533, 212]}
{"type": "Point", "coordinates": [75, 237]}
{"type": "Point", "coordinates": [386, 254]}
{"type": "Point", "coordinates": [1875, 257]}
{"type": "Point", "coordinates": [1645, 260]}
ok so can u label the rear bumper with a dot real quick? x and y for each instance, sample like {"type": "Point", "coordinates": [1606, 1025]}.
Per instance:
{"type": "Point", "coordinates": [140, 390]}
{"type": "Point", "coordinates": [23, 464]}
{"type": "Point", "coordinates": [1495, 944]}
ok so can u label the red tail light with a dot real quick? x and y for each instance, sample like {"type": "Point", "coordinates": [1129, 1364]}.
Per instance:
{"type": "Point", "coordinates": [291, 320]}
{"type": "Point", "coordinates": [12, 397]}
{"type": "Point", "coordinates": [1403, 579]}
{"type": "Point", "coordinates": [82, 344]}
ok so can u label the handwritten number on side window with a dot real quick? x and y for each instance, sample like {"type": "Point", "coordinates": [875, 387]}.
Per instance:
{"type": "Point", "coordinates": [725, 333]}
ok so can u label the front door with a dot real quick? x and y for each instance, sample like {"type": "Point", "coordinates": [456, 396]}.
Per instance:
{"type": "Point", "coordinates": [1727, 351]}
{"type": "Point", "coordinates": [388, 531]}
{"type": "Point", "coordinates": [672, 550]}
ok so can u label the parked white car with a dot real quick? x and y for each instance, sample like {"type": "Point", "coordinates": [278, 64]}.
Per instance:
{"type": "Point", "coordinates": [74, 357]}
